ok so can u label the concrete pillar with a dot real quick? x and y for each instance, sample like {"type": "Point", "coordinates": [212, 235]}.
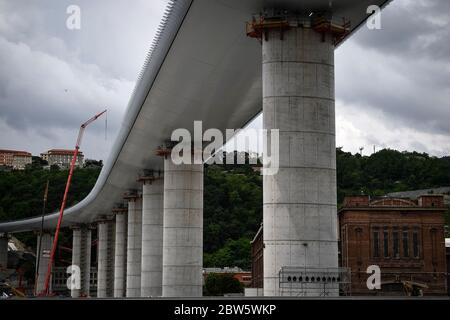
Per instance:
{"type": "Point", "coordinates": [183, 229]}
{"type": "Point", "coordinates": [44, 247]}
{"type": "Point", "coordinates": [76, 256]}
{"type": "Point", "coordinates": [81, 257]}
{"type": "Point", "coordinates": [86, 255]}
{"type": "Point", "coordinates": [134, 246]}
{"type": "Point", "coordinates": [300, 220]}
{"type": "Point", "coordinates": [3, 251]}
{"type": "Point", "coordinates": [105, 274]}
{"type": "Point", "coordinates": [120, 260]}
{"type": "Point", "coordinates": [152, 236]}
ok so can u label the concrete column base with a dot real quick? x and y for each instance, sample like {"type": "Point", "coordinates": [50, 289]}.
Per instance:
{"type": "Point", "coordinates": [152, 237]}
{"type": "Point", "coordinates": [183, 230]}
{"type": "Point", "coordinates": [134, 247]}
{"type": "Point", "coordinates": [81, 257]}
{"type": "Point", "coordinates": [105, 274]}
{"type": "Point", "coordinates": [44, 247]}
{"type": "Point", "coordinates": [300, 218]}
{"type": "Point", "coordinates": [120, 260]}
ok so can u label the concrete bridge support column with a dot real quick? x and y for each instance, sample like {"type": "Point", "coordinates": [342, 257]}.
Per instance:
{"type": "Point", "coordinates": [105, 256]}
{"type": "Point", "coordinates": [3, 251]}
{"type": "Point", "coordinates": [300, 220]}
{"type": "Point", "coordinates": [44, 247]}
{"type": "Point", "coordinates": [152, 235]}
{"type": "Point", "coordinates": [183, 229]}
{"type": "Point", "coordinates": [120, 259]}
{"type": "Point", "coordinates": [134, 246]}
{"type": "Point", "coordinates": [81, 257]}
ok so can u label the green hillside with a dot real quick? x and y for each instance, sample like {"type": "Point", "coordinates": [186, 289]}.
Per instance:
{"type": "Point", "coordinates": [233, 194]}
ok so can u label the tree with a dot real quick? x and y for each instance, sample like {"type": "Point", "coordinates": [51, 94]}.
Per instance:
{"type": "Point", "coordinates": [217, 284]}
{"type": "Point", "coordinates": [235, 253]}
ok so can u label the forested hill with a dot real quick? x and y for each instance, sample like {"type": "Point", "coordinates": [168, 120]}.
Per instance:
{"type": "Point", "coordinates": [389, 171]}
{"type": "Point", "coordinates": [233, 194]}
{"type": "Point", "coordinates": [22, 192]}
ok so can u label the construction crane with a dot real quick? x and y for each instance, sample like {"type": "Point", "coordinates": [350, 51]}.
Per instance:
{"type": "Point", "coordinates": [63, 204]}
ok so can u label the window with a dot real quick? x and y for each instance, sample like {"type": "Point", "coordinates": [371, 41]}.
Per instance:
{"type": "Point", "coordinates": [396, 249]}
{"type": "Point", "coordinates": [386, 243]}
{"type": "Point", "coordinates": [405, 243]}
{"type": "Point", "coordinates": [433, 232]}
{"type": "Point", "coordinates": [416, 244]}
{"type": "Point", "coordinates": [358, 231]}
{"type": "Point", "coordinates": [376, 244]}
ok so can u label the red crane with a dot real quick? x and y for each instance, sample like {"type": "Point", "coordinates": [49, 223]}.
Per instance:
{"type": "Point", "coordinates": [63, 204]}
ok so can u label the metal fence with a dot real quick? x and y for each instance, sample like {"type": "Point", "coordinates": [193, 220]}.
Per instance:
{"type": "Point", "coordinates": [300, 281]}
{"type": "Point", "coordinates": [59, 281]}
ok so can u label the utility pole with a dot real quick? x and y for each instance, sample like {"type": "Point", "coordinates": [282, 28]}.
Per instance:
{"type": "Point", "coordinates": [63, 204]}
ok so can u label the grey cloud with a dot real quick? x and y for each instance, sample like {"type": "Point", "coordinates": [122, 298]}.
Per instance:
{"type": "Point", "coordinates": [52, 79]}
{"type": "Point", "coordinates": [392, 70]}
{"type": "Point", "coordinates": [414, 29]}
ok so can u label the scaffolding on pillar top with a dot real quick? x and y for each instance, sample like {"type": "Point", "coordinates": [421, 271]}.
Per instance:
{"type": "Point", "coordinates": [132, 195]}
{"type": "Point", "coordinates": [119, 210]}
{"type": "Point", "coordinates": [165, 149]}
{"type": "Point", "coordinates": [281, 21]}
{"type": "Point", "coordinates": [150, 176]}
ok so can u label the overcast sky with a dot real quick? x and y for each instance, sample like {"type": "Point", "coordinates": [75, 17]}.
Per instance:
{"type": "Point", "coordinates": [392, 85]}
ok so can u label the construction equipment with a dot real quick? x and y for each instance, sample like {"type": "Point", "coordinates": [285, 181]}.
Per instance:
{"type": "Point", "coordinates": [412, 288]}
{"type": "Point", "coordinates": [63, 204]}
{"type": "Point", "coordinates": [8, 291]}
{"type": "Point", "coordinates": [338, 30]}
{"type": "Point", "coordinates": [258, 28]}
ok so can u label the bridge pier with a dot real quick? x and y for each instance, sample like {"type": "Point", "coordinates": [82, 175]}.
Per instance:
{"type": "Point", "coordinates": [183, 229]}
{"type": "Point", "coordinates": [81, 257]}
{"type": "Point", "coordinates": [134, 246]}
{"type": "Point", "coordinates": [120, 252]}
{"type": "Point", "coordinates": [152, 234]}
{"type": "Point", "coordinates": [105, 257]}
{"type": "Point", "coordinates": [3, 251]}
{"type": "Point", "coordinates": [299, 202]}
{"type": "Point", "coordinates": [43, 249]}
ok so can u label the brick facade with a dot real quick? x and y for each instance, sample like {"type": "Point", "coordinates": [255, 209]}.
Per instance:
{"type": "Point", "coordinates": [405, 238]}
{"type": "Point", "coordinates": [257, 260]}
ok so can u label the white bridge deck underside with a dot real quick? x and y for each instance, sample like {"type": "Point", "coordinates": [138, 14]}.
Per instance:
{"type": "Point", "coordinates": [203, 67]}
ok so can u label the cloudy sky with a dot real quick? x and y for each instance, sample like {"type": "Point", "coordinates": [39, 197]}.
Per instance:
{"type": "Point", "coordinates": [392, 85]}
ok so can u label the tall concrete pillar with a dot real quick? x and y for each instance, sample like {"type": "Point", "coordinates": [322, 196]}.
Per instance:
{"type": "Point", "coordinates": [81, 257]}
{"type": "Point", "coordinates": [43, 249]}
{"type": "Point", "coordinates": [120, 260]}
{"type": "Point", "coordinates": [152, 235]}
{"type": "Point", "coordinates": [183, 229]}
{"type": "Point", "coordinates": [3, 251]}
{"type": "Point", "coordinates": [105, 256]}
{"type": "Point", "coordinates": [134, 246]}
{"type": "Point", "coordinates": [300, 221]}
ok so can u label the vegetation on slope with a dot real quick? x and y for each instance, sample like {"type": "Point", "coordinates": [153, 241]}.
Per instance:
{"type": "Point", "coordinates": [233, 194]}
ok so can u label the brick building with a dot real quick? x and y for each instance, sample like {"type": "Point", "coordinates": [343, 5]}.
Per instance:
{"type": "Point", "coordinates": [447, 249]}
{"type": "Point", "coordinates": [244, 277]}
{"type": "Point", "coordinates": [257, 249]}
{"type": "Point", "coordinates": [404, 237]}
{"type": "Point", "coordinates": [15, 159]}
{"type": "Point", "coordinates": [62, 158]}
